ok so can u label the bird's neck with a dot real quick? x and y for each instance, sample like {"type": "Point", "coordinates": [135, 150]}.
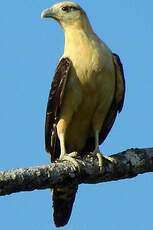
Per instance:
{"type": "Point", "coordinates": [77, 35]}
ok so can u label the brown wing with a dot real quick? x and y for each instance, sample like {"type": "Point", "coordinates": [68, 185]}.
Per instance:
{"type": "Point", "coordinates": [118, 99]}
{"type": "Point", "coordinates": [53, 107]}
{"type": "Point", "coordinates": [114, 109]}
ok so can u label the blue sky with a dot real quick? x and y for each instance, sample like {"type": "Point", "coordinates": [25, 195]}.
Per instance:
{"type": "Point", "coordinates": [30, 49]}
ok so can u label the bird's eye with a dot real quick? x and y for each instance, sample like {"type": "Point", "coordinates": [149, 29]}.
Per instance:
{"type": "Point", "coordinates": [69, 8]}
{"type": "Point", "coordinates": [66, 8]}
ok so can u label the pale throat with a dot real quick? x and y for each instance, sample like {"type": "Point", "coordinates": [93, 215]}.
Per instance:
{"type": "Point", "coordinates": [77, 37]}
{"type": "Point", "coordinates": [80, 49]}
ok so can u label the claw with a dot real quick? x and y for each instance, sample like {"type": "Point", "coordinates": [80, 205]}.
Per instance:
{"type": "Point", "coordinates": [100, 158]}
{"type": "Point", "coordinates": [111, 159]}
{"type": "Point", "coordinates": [71, 158]}
{"type": "Point", "coordinates": [97, 153]}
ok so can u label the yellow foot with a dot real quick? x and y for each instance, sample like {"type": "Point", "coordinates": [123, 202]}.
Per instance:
{"type": "Point", "coordinates": [111, 159]}
{"type": "Point", "coordinates": [100, 158]}
{"type": "Point", "coordinates": [71, 158]}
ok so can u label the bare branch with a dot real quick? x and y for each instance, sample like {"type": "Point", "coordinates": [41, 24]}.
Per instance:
{"type": "Point", "coordinates": [128, 164]}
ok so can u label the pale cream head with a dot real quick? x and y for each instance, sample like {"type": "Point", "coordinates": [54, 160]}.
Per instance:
{"type": "Point", "coordinates": [67, 14]}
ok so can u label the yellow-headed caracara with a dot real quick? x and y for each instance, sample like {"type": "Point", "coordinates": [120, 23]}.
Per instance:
{"type": "Point", "coordinates": [86, 93]}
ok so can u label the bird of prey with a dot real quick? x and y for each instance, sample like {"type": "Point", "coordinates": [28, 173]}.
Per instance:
{"type": "Point", "coordinates": [86, 94]}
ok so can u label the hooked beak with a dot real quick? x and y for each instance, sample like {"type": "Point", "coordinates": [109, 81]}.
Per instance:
{"type": "Point", "coordinates": [47, 13]}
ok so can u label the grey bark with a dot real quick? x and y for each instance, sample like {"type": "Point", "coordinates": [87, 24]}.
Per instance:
{"type": "Point", "coordinates": [128, 164]}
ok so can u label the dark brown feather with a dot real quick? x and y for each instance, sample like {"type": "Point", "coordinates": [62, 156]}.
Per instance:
{"type": "Point", "coordinates": [53, 107]}
{"type": "Point", "coordinates": [118, 101]}
{"type": "Point", "coordinates": [63, 198]}
{"type": "Point", "coordinates": [119, 67]}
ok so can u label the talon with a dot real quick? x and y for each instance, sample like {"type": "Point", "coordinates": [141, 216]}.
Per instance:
{"type": "Point", "coordinates": [90, 155]}
{"type": "Point", "coordinates": [73, 154]}
{"type": "Point", "coordinates": [111, 159]}
{"type": "Point", "coordinates": [100, 160]}
{"type": "Point", "coordinates": [70, 157]}
{"type": "Point", "coordinates": [97, 154]}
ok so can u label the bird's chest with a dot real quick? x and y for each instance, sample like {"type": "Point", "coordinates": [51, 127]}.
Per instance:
{"type": "Point", "coordinates": [86, 66]}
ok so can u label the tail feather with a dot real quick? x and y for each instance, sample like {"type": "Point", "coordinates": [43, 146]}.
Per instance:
{"type": "Point", "coordinates": [63, 199]}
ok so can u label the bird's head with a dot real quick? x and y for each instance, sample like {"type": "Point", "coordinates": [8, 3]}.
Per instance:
{"type": "Point", "coordinates": [66, 13]}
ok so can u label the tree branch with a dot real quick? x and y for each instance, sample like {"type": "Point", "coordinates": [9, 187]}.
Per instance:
{"type": "Point", "coordinates": [128, 164]}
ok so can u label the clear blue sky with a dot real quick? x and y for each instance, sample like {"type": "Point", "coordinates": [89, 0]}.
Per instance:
{"type": "Point", "coordinates": [29, 50]}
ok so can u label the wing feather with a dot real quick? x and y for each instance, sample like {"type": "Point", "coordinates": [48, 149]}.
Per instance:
{"type": "Point", "coordinates": [118, 101]}
{"type": "Point", "coordinates": [53, 107]}
{"type": "Point", "coordinates": [120, 82]}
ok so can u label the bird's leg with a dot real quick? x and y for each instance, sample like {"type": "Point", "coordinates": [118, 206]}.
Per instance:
{"type": "Point", "coordinates": [65, 118]}
{"type": "Point", "coordinates": [64, 155]}
{"type": "Point", "coordinates": [97, 152]}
